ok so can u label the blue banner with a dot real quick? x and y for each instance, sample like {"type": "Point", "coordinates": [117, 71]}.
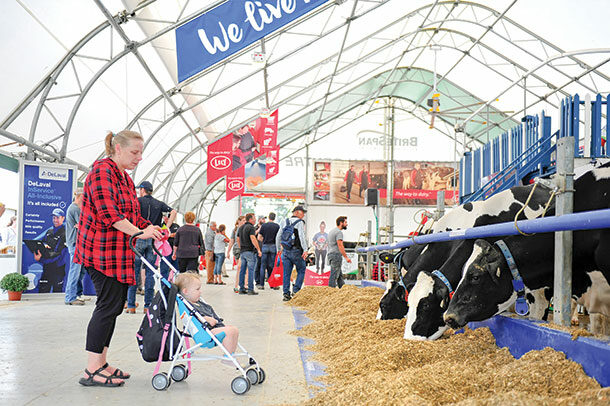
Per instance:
{"type": "Point", "coordinates": [230, 27]}
{"type": "Point", "coordinates": [47, 193]}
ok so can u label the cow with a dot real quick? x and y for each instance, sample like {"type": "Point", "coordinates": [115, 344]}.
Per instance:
{"type": "Point", "coordinates": [499, 208]}
{"type": "Point", "coordinates": [485, 288]}
{"type": "Point", "coordinates": [596, 300]}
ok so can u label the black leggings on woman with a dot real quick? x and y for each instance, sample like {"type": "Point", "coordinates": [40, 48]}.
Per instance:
{"type": "Point", "coordinates": [111, 296]}
{"type": "Point", "coordinates": [188, 264]}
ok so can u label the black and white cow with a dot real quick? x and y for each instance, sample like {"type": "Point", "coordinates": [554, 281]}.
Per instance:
{"type": "Point", "coordinates": [499, 208]}
{"type": "Point", "coordinates": [485, 288]}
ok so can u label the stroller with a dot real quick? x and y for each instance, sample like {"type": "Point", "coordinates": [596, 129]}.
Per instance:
{"type": "Point", "coordinates": [160, 338]}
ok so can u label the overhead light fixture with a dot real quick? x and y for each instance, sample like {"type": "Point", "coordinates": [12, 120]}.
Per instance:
{"type": "Point", "coordinates": [258, 57]}
{"type": "Point", "coordinates": [339, 2]}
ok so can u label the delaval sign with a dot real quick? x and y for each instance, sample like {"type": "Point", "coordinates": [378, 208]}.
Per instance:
{"type": "Point", "coordinates": [231, 27]}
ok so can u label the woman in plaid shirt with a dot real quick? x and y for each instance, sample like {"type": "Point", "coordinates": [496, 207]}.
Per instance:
{"type": "Point", "coordinates": [110, 215]}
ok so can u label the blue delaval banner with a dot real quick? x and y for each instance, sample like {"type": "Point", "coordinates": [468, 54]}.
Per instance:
{"type": "Point", "coordinates": [47, 193]}
{"type": "Point", "coordinates": [230, 27]}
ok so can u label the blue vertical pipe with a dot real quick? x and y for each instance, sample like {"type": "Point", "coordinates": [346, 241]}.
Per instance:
{"type": "Point", "coordinates": [605, 148]}
{"type": "Point", "coordinates": [562, 119]}
{"type": "Point", "coordinates": [477, 170]}
{"type": "Point", "coordinates": [575, 122]}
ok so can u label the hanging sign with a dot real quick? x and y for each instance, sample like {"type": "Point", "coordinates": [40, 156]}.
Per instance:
{"type": "Point", "coordinates": [268, 133]}
{"type": "Point", "coordinates": [273, 162]}
{"type": "Point", "coordinates": [219, 158]}
{"type": "Point", "coordinates": [236, 184]}
{"type": "Point", "coordinates": [230, 27]}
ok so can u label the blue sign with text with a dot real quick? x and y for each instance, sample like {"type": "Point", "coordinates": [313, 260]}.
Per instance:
{"type": "Point", "coordinates": [230, 27]}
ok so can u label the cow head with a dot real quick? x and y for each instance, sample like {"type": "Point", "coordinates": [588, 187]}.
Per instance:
{"type": "Point", "coordinates": [428, 300]}
{"type": "Point", "coordinates": [392, 304]}
{"type": "Point", "coordinates": [485, 289]}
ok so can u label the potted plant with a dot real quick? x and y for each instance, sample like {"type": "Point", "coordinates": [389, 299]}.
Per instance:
{"type": "Point", "coordinates": [14, 283]}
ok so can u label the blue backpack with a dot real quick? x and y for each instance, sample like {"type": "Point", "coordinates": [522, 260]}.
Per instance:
{"type": "Point", "coordinates": [287, 237]}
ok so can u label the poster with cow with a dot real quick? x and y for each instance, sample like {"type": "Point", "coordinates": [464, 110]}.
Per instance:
{"type": "Point", "coordinates": [417, 183]}
{"type": "Point", "coordinates": [349, 181]}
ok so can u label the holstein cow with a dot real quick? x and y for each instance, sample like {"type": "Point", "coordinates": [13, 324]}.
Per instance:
{"type": "Point", "coordinates": [597, 302]}
{"type": "Point", "coordinates": [486, 287]}
{"type": "Point", "coordinates": [499, 208]}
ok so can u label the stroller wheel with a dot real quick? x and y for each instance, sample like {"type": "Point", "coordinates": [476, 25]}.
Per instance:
{"type": "Point", "coordinates": [179, 373]}
{"type": "Point", "coordinates": [240, 385]}
{"type": "Point", "coordinates": [252, 375]}
{"type": "Point", "coordinates": [160, 381]}
{"type": "Point", "coordinates": [261, 375]}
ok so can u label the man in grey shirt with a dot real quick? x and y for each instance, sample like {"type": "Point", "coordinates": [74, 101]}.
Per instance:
{"type": "Point", "coordinates": [294, 251]}
{"type": "Point", "coordinates": [336, 253]}
{"type": "Point", "coordinates": [208, 241]}
{"type": "Point", "coordinates": [74, 282]}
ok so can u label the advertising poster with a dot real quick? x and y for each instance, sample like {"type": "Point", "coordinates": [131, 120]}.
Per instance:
{"type": "Point", "coordinates": [350, 180]}
{"type": "Point", "coordinates": [268, 135]}
{"type": "Point", "coordinates": [253, 140]}
{"type": "Point", "coordinates": [273, 163]}
{"type": "Point", "coordinates": [46, 195]}
{"type": "Point", "coordinates": [219, 158]}
{"type": "Point", "coordinates": [255, 173]}
{"type": "Point", "coordinates": [235, 184]}
{"type": "Point", "coordinates": [417, 183]}
{"type": "Point", "coordinates": [321, 181]}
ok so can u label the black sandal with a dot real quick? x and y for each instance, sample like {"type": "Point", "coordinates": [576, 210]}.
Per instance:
{"type": "Point", "coordinates": [117, 373]}
{"type": "Point", "coordinates": [90, 382]}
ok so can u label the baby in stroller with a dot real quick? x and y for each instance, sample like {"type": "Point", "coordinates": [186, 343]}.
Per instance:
{"type": "Point", "coordinates": [189, 284]}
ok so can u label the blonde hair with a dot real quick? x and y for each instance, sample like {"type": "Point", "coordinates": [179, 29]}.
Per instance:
{"type": "Point", "coordinates": [123, 138]}
{"type": "Point", "coordinates": [189, 216]}
{"type": "Point", "coordinates": [184, 279]}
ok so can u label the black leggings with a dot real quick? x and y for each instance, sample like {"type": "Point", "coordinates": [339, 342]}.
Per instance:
{"type": "Point", "coordinates": [188, 264]}
{"type": "Point", "coordinates": [111, 296]}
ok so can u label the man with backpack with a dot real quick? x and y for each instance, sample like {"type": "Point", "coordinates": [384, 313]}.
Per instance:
{"type": "Point", "coordinates": [291, 243]}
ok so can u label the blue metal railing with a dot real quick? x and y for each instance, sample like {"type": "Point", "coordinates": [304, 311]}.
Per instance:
{"type": "Point", "coordinates": [587, 220]}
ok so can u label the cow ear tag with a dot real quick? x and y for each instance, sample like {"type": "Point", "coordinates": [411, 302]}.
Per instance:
{"type": "Point", "coordinates": [522, 308]}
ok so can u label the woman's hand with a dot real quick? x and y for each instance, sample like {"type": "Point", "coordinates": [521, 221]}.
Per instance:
{"type": "Point", "coordinates": [174, 256]}
{"type": "Point", "coordinates": [151, 231]}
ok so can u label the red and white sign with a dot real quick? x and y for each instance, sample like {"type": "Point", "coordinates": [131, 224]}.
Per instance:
{"type": "Point", "coordinates": [219, 158]}
{"type": "Point", "coordinates": [236, 184]}
{"type": "Point", "coordinates": [419, 194]}
{"type": "Point", "coordinates": [268, 133]}
{"type": "Point", "coordinates": [272, 166]}
{"type": "Point", "coordinates": [312, 278]}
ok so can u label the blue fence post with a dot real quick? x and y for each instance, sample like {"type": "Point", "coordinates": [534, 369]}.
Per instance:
{"type": "Point", "coordinates": [477, 170]}
{"type": "Point", "coordinates": [545, 131]}
{"type": "Point", "coordinates": [604, 148]}
{"type": "Point", "coordinates": [574, 123]}
{"type": "Point", "coordinates": [596, 126]}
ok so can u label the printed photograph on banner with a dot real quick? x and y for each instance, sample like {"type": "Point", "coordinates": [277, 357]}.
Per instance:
{"type": "Point", "coordinates": [273, 162]}
{"type": "Point", "coordinates": [417, 183]}
{"type": "Point", "coordinates": [255, 173]}
{"type": "Point", "coordinates": [321, 181]}
{"type": "Point", "coordinates": [253, 140]}
{"type": "Point", "coordinates": [351, 179]}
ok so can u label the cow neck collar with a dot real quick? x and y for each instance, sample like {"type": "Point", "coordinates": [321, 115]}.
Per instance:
{"type": "Point", "coordinates": [397, 261]}
{"type": "Point", "coordinates": [443, 279]}
{"type": "Point", "coordinates": [521, 306]}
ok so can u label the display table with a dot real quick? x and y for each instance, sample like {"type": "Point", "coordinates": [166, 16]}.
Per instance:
{"type": "Point", "coordinates": [8, 264]}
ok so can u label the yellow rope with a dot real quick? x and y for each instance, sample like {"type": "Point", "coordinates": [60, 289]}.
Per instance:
{"type": "Point", "coordinates": [546, 207]}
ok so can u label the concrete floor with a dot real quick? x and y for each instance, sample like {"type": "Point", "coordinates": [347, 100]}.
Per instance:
{"type": "Point", "coordinates": [42, 354]}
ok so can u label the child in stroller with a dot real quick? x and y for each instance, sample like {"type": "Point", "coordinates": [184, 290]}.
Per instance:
{"type": "Point", "coordinates": [189, 284]}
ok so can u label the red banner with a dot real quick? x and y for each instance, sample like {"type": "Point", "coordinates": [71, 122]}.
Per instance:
{"type": "Point", "coordinates": [235, 184]}
{"type": "Point", "coordinates": [268, 133]}
{"type": "Point", "coordinates": [219, 158]}
{"type": "Point", "coordinates": [312, 278]}
{"type": "Point", "coordinates": [273, 162]}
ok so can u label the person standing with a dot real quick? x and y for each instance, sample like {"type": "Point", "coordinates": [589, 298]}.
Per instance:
{"type": "Point", "coordinates": [74, 283]}
{"type": "Point", "coordinates": [208, 241]}
{"type": "Point", "coordinates": [257, 266]}
{"type": "Point", "coordinates": [291, 243]}
{"type": "Point", "coordinates": [268, 231]}
{"type": "Point", "coordinates": [248, 247]}
{"type": "Point", "coordinates": [234, 248]}
{"type": "Point", "coordinates": [187, 244]}
{"type": "Point", "coordinates": [152, 210]}
{"type": "Point", "coordinates": [54, 267]}
{"type": "Point", "coordinates": [336, 253]}
{"type": "Point", "coordinates": [364, 180]}
{"type": "Point", "coordinates": [110, 215]}
{"type": "Point", "coordinates": [350, 176]}
{"type": "Point", "coordinates": [220, 246]}
{"type": "Point", "coordinates": [320, 243]}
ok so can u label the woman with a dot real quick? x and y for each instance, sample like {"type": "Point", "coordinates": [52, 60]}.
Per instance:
{"type": "Point", "coordinates": [220, 246]}
{"type": "Point", "coordinates": [188, 243]}
{"type": "Point", "coordinates": [109, 216]}
{"type": "Point", "coordinates": [233, 244]}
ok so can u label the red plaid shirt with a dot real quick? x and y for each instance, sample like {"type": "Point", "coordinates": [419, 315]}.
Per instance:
{"type": "Point", "coordinates": [110, 196]}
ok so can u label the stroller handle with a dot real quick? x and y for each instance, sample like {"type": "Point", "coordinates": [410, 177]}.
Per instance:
{"type": "Point", "coordinates": [131, 242]}
{"type": "Point", "coordinates": [157, 251]}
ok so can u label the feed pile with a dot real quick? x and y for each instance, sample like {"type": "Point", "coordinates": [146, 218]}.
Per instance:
{"type": "Point", "coordinates": [368, 361]}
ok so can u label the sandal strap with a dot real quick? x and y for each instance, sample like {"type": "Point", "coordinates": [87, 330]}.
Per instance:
{"type": "Point", "coordinates": [98, 373]}
{"type": "Point", "coordinates": [119, 374]}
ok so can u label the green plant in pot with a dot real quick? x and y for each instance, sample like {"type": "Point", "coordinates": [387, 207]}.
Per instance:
{"type": "Point", "coordinates": [14, 283]}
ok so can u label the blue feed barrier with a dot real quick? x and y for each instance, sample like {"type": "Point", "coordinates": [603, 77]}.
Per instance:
{"type": "Point", "coordinates": [587, 220]}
